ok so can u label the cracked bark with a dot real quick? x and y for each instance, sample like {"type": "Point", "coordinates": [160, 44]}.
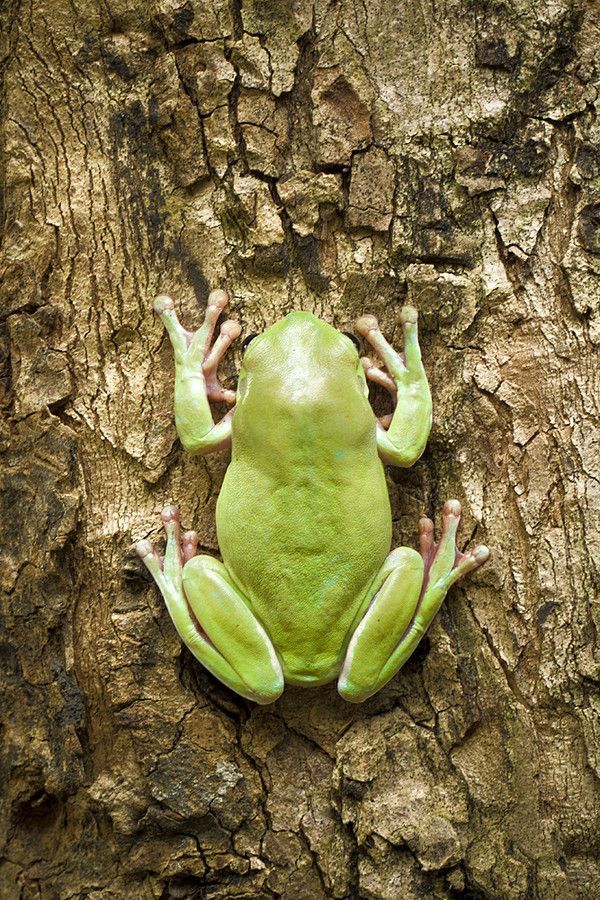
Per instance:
{"type": "Point", "coordinates": [341, 158]}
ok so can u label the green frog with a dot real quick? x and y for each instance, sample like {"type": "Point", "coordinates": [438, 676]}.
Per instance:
{"type": "Point", "coordinates": [308, 591]}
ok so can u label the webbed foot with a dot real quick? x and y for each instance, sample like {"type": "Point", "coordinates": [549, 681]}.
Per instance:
{"type": "Point", "coordinates": [194, 347]}
{"type": "Point", "coordinates": [401, 437]}
{"type": "Point", "coordinates": [444, 563]}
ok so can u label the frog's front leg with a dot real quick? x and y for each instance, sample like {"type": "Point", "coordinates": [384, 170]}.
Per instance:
{"type": "Point", "coordinates": [404, 440]}
{"type": "Point", "coordinates": [196, 379]}
{"type": "Point", "coordinates": [407, 594]}
{"type": "Point", "coordinates": [211, 616]}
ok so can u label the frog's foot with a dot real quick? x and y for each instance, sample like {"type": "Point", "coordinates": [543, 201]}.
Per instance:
{"type": "Point", "coordinates": [211, 616]}
{"type": "Point", "coordinates": [444, 563]}
{"type": "Point", "coordinates": [397, 363]}
{"type": "Point", "coordinates": [194, 348]}
{"type": "Point", "coordinates": [407, 594]}
{"type": "Point", "coordinates": [167, 570]}
{"type": "Point", "coordinates": [401, 437]}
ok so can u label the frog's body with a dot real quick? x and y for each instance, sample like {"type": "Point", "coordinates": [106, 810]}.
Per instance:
{"type": "Point", "coordinates": [306, 575]}
{"type": "Point", "coordinates": [308, 590]}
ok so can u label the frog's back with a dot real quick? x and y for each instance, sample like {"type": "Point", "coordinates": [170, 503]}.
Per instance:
{"type": "Point", "coordinates": [303, 516]}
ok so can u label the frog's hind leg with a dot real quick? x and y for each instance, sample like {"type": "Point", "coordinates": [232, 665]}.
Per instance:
{"type": "Point", "coordinates": [210, 615]}
{"type": "Point", "coordinates": [407, 594]}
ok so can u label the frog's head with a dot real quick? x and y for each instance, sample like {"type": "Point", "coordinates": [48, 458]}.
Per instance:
{"type": "Point", "coordinates": [301, 340]}
{"type": "Point", "coordinates": [301, 369]}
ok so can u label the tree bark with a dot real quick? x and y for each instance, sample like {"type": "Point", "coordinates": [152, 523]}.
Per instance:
{"type": "Point", "coordinates": [343, 158]}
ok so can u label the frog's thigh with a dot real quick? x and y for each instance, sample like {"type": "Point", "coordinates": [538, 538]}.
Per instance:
{"type": "Point", "coordinates": [371, 659]}
{"type": "Point", "coordinates": [233, 631]}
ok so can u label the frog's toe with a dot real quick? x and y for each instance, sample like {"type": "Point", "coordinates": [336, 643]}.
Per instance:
{"type": "Point", "coordinates": [219, 298]}
{"type": "Point", "coordinates": [481, 554]}
{"type": "Point", "coordinates": [229, 331]}
{"type": "Point", "coordinates": [162, 303]}
{"type": "Point", "coordinates": [366, 324]}
{"type": "Point", "coordinates": [189, 545]}
{"type": "Point", "coordinates": [409, 315]}
{"type": "Point", "coordinates": [378, 376]}
{"type": "Point", "coordinates": [452, 510]}
{"type": "Point", "coordinates": [426, 542]}
{"type": "Point", "coordinates": [170, 514]}
{"type": "Point", "coordinates": [474, 558]}
{"type": "Point", "coordinates": [151, 559]}
{"type": "Point", "coordinates": [144, 549]}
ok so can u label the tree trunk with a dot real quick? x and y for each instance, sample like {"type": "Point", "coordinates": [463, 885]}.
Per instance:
{"type": "Point", "coordinates": [343, 159]}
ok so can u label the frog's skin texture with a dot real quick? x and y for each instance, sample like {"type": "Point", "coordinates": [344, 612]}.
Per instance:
{"type": "Point", "coordinates": [308, 591]}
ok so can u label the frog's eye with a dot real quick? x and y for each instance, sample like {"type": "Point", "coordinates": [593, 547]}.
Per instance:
{"type": "Point", "coordinates": [353, 338]}
{"type": "Point", "coordinates": [246, 341]}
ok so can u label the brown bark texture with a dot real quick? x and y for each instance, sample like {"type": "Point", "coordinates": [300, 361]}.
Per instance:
{"type": "Point", "coordinates": [345, 158]}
